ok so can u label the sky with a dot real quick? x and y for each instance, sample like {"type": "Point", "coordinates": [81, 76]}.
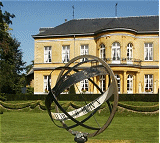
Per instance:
{"type": "Point", "coordinates": [34, 14]}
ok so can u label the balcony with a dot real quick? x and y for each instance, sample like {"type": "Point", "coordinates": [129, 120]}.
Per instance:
{"type": "Point", "coordinates": [124, 62]}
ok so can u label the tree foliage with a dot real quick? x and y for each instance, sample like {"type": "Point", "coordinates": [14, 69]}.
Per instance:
{"type": "Point", "coordinates": [30, 66]}
{"type": "Point", "coordinates": [11, 64]}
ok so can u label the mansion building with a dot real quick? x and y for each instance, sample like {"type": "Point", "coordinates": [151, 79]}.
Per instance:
{"type": "Point", "coordinates": [129, 45]}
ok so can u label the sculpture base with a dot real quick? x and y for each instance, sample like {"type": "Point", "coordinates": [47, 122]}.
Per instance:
{"type": "Point", "coordinates": [80, 138]}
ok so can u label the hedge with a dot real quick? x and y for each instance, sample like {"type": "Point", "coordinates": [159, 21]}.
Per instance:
{"type": "Point", "coordinates": [139, 97]}
{"type": "Point", "coordinates": [7, 106]}
{"type": "Point", "coordinates": [122, 97]}
{"type": "Point", "coordinates": [30, 104]}
{"type": "Point", "coordinates": [140, 108]}
{"type": "Point", "coordinates": [82, 97]}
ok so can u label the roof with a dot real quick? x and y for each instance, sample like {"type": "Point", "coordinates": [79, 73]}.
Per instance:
{"type": "Point", "coordinates": [31, 71]}
{"type": "Point", "coordinates": [139, 24]}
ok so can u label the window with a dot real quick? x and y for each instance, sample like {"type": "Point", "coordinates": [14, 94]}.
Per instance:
{"type": "Point", "coordinates": [47, 54]}
{"type": "Point", "coordinates": [102, 52]}
{"type": "Point", "coordinates": [130, 84]}
{"type": "Point", "coordinates": [148, 83]}
{"type": "Point", "coordinates": [115, 52]}
{"type": "Point", "coordinates": [84, 85]}
{"type": "Point", "coordinates": [45, 83]}
{"type": "Point", "coordinates": [118, 82]}
{"type": "Point", "coordinates": [84, 51]}
{"type": "Point", "coordinates": [148, 51]}
{"type": "Point", "coordinates": [129, 53]}
{"type": "Point", "coordinates": [103, 82]}
{"type": "Point", "coordinates": [65, 54]}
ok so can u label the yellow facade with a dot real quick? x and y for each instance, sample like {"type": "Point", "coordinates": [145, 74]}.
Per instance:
{"type": "Point", "coordinates": [138, 68]}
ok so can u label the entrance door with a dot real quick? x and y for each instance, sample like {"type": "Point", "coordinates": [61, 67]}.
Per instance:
{"type": "Point", "coordinates": [130, 84]}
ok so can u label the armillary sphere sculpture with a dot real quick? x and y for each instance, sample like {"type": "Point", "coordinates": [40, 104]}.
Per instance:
{"type": "Point", "coordinates": [77, 120]}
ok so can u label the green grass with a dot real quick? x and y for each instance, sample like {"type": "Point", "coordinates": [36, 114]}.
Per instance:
{"type": "Point", "coordinates": [37, 127]}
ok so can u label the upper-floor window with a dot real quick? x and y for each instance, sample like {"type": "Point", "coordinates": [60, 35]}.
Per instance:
{"type": "Point", "coordinates": [116, 52]}
{"type": "Point", "coordinates": [129, 52]}
{"type": "Point", "coordinates": [84, 51]}
{"type": "Point", "coordinates": [47, 54]}
{"type": "Point", "coordinates": [45, 83]}
{"type": "Point", "coordinates": [102, 52]}
{"type": "Point", "coordinates": [148, 82]}
{"type": "Point", "coordinates": [65, 53]}
{"type": "Point", "coordinates": [148, 51]}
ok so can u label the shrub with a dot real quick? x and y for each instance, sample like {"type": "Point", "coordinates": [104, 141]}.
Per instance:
{"type": "Point", "coordinates": [30, 90]}
{"type": "Point", "coordinates": [3, 97]}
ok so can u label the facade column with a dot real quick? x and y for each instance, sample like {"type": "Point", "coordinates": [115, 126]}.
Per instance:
{"type": "Point", "coordinates": [106, 82]}
{"type": "Point", "coordinates": [121, 83]}
{"type": "Point", "coordinates": [155, 88]}
{"type": "Point", "coordinates": [95, 90]}
{"type": "Point", "coordinates": [134, 84]}
{"type": "Point", "coordinates": [137, 84]}
{"type": "Point", "coordinates": [124, 82]}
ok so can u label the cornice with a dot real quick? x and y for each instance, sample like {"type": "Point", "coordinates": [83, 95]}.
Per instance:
{"type": "Point", "coordinates": [98, 37]}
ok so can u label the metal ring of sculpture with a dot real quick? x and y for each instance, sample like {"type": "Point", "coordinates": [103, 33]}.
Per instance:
{"type": "Point", "coordinates": [65, 80]}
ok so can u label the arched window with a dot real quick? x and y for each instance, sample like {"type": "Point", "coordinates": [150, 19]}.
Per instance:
{"type": "Point", "coordinates": [116, 52]}
{"type": "Point", "coordinates": [130, 84]}
{"type": "Point", "coordinates": [102, 53]}
{"type": "Point", "coordinates": [129, 53]}
{"type": "Point", "coordinates": [118, 82]}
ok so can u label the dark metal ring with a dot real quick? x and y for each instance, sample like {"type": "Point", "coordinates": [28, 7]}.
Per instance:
{"type": "Point", "coordinates": [52, 96]}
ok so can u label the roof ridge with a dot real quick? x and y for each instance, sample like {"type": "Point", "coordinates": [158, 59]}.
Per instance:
{"type": "Point", "coordinates": [115, 17]}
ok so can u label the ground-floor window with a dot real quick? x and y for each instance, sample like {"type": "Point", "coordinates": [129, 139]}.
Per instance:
{"type": "Point", "coordinates": [84, 85]}
{"type": "Point", "coordinates": [118, 82]}
{"type": "Point", "coordinates": [130, 84]}
{"type": "Point", "coordinates": [45, 83]}
{"type": "Point", "coordinates": [148, 83]}
{"type": "Point", "coordinates": [103, 82]}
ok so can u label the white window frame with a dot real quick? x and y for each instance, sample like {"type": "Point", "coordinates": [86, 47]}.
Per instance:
{"type": "Point", "coordinates": [47, 54]}
{"type": "Point", "coordinates": [84, 85]}
{"type": "Point", "coordinates": [129, 53]}
{"type": "Point", "coordinates": [118, 82]}
{"type": "Point", "coordinates": [65, 53]}
{"type": "Point", "coordinates": [102, 80]}
{"type": "Point", "coordinates": [116, 50]}
{"type": "Point", "coordinates": [148, 51]}
{"type": "Point", "coordinates": [102, 52]}
{"type": "Point", "coordinates": [84, 50]}
{"type": "Point", "coordinates": [148, 82]}
{"type": "Point", "coordinates": [45, 83]}
{"type": "Point", "coordinates": [130, 83]}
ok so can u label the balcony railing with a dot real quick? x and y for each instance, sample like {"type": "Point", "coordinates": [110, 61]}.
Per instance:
{"type": "Point", "coordinates": [123, 61]}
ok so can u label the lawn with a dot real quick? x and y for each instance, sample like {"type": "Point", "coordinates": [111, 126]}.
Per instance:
{"type": "Point", "coordinates": [37, 127]}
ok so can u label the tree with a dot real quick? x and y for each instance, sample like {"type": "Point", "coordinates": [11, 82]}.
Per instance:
{"type": "Point", "coordinates": [30, 66]}
{"type": "Point", "coordinates": [11, 64]}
